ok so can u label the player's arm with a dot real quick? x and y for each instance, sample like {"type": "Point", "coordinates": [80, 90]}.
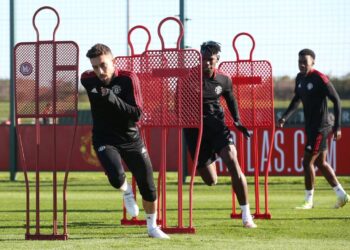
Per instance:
{"type": "Point", "coordinates": [233, 107]}
{"type": "Point", "coordinates": [131, 105]}
{"type": "Point", "coordinates": [134, 112]}
{"type": "Point", "coordinates": [290, 110]}
{"type": "Point", "coordinates": [334, 97]}
{"type": "Point", "coordinates": [83, 79]}
{"type": "Point", "coordinates": [293, 105]}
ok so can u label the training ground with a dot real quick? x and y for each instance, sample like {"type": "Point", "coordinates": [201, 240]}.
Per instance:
{"type": "Point", "coordinates": [94, 213]}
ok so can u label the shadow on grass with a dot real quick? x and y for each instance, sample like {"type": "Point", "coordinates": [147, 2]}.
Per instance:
{"type": "Point", "coordinates": [228, 209]}
{"type": "Point", "coordinates": [68, 211]}
{"type": "Point", "coordinates": [312, 218]}
{"type": "Point", "coordinates": [121, 237]}
{"type": "Point", "coordinates": [92, 225]}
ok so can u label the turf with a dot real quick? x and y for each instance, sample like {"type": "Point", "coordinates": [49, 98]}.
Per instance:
{"type": "Point", "coordinates": [94, 213]}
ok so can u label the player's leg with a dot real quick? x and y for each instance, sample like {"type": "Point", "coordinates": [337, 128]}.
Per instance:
{"type": "Point", "coordinates": [229, 157]}
{"type": "Point", "coordinates": [110, 160]}
{"type": "Point", "coordinates": [309, 170]}
{"type": "Point", "coordinates": [139, 163]}
{"type": "Point", "coordinates": [208, 174]}
{"type": "Point", "coordinates": [206, 166]}
{"type": "Point", "coordinates": [239, 183]}
{"type": "Point", "coordinates": [326, 169]}
{"type": "Point", "coordinates": [309, 179]}
{"type": "Point", "coordinates": [311, 153]}
{"type": "Point", "coordinates": [328, 173]}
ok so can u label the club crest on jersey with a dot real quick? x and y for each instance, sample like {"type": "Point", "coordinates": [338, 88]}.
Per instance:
{"type": "Point", "coordinates": [218, 90]}
{"type": "Point", "coordinates": [309, 86]}
{"type": "Point", "coordinates": [26, 68]}
{"type": "Point", "coordinates": [116, 89]}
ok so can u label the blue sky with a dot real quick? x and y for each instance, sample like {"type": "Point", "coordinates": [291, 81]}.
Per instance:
{"type": "Point", "coordinates": [280, 28]}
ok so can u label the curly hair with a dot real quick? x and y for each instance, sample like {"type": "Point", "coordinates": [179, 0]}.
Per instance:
{"type": "Point", "coordinates": [211, 47]}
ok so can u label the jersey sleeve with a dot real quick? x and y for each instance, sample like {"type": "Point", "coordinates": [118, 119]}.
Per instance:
{"type": "Point", "coordinates": [293, 104]}
{"type": "Point", "coordinates": [231, 101]}
{"type": "Point", "coordinates": [334, 97]}
{"type": "Point", "coordinates": [84, 78]}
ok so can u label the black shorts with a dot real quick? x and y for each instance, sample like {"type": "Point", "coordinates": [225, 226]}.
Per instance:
{"type": "Point", "coordinates": [136, 157]}
{"type": "Point", "coordinates": [317, 141]}
{"type": "Point", "coordinates": [212, 143]}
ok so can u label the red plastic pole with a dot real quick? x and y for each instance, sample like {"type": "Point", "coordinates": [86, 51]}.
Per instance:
{"type": "Point", "coordinates": [179, 179]}
{"type": "Point", "coordinates": [163, 175]}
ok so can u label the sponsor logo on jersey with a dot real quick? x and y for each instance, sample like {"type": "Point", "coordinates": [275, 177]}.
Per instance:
{"type": "Point", "coordinates": [308, 147]}
{"type": "Point", "coordinates": [101, 148]}
{"type": "Point", "coordinates": [94, 90]}
{"type": "Point", "coordinates": [299, 85]}
{"type": "Point", "coordinates": [309, 86]}
{"type": "Point", "coordinates": [116, 89]}
{"type": "Point", "coordinates": [218, 90]}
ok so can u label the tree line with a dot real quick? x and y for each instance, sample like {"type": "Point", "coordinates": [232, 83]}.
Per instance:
{"type": "Point", "coordinates": [283, 88]}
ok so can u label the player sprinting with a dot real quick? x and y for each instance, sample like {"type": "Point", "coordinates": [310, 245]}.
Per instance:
{"type": "Point", "coordinates": [216, 138]}
{"type": "Point", "coordinates": [312, 89]}
{"type": "Point", "coordinates": [116, 107]}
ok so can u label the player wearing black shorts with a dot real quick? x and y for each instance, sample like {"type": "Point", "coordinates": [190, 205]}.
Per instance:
{"type": "Point", "coordinates": [216, 137]}
{"type": "Point", "coordinates": [313, 88]}
{"type": "Point", "coordinates": [116, 107]}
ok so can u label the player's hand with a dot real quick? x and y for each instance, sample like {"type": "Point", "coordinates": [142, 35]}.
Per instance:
{"type": "Point", "coordinates": [336, 134]}
{"type": "Point", "coordinates": [281, 122]}
{"type": "Point", "coordinates": [243, 129]}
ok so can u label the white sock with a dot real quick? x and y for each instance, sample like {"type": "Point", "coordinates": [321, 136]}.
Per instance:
{"type": "Point", "coordinates": [339, 190]}
{"type": "Point", "coordinates": [246, 213]}
{"type": "Point", "coordinates": [126, 188]}
{"type": "Point", "coordinates": [309, 195]}
{"type": "Point", "coordinates": [151, 220]}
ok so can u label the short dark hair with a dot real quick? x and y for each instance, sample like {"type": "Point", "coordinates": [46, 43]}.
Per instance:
{"type": "Point", "coordinates": [97, 50]}
{"type": "Point", "coordinates": [211, 47]}
{"type": "Point", "coordinates": [307, 52]}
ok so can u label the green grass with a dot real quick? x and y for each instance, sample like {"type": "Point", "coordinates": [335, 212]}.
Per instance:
{"type": "Point", "coordinates": [84, 106]}
{"type": "Point", "coordinates": [4, 111]}
{"type": "Point", "coordinates": [5, 107]}
{"type": "Point", "coordinates": [94, 212]}
{"type": "Point", "coordinates": [285, 103]}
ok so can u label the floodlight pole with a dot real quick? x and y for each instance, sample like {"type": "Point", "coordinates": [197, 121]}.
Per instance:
{"type": "Point", "coordinates": [182, 19]}
{"type": "Point", "coordinates": [127, 26]}
{"type": "Point", "coordinates": [13, 140]}
{"type": "Point", "coordinates": [182, 46]}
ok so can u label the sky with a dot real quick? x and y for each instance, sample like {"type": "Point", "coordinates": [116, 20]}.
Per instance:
{"type": "Point", "coordinates": [280, 28]}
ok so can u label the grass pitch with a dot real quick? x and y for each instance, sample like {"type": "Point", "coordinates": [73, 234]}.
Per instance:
{"type": "Point", "coordinates": [94, 213]}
